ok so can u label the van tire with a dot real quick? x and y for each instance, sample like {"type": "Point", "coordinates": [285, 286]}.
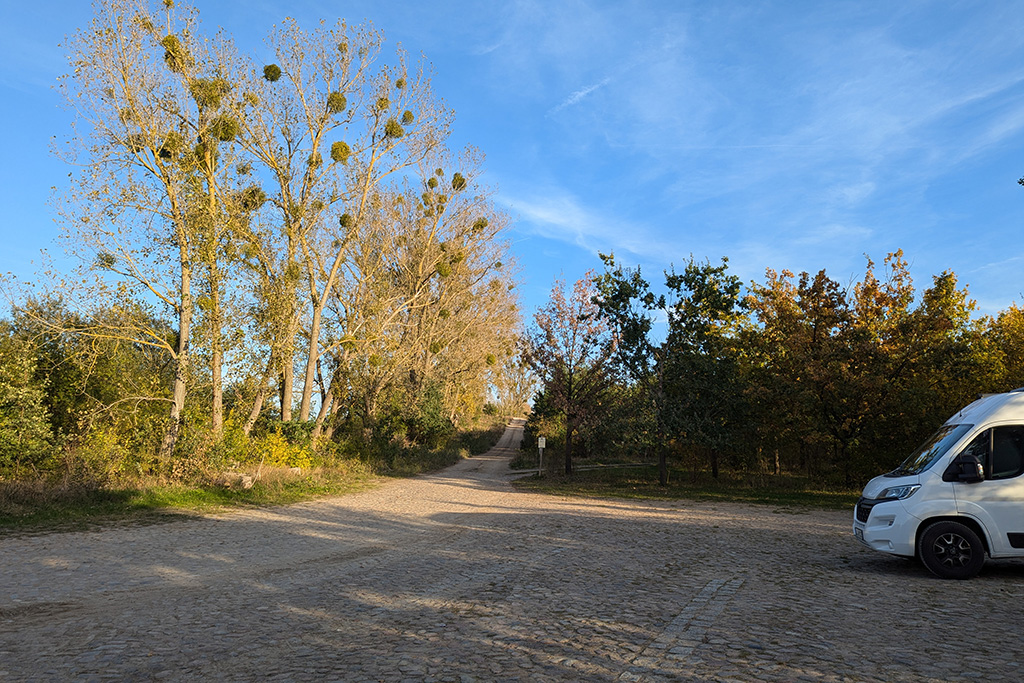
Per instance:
{"type": "Point", "coordinates": [951, 550]}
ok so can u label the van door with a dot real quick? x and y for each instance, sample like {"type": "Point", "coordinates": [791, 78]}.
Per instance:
{"type": "Point", "coordinates": [997, 502]}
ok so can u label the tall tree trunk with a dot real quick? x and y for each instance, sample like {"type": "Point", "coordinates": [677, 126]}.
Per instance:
{"type": "Point", "coordinates": [320, 381]}
{"type": "Point", "coordinates": [659, 411]}
{"type": "Point", "coordinates": [287, 345]}
{"type": "Point", "coordinates": [257, 408]}
{"type": "Point", "coordinates": [662, 464]}
{"type": "Point", "coordinates": [215, 276]}
{"type": "Point", "coordinates": [181, 365]}
{"type": "Point", "coordinates": [261, 396]}
{"type": "Point", "coordinates": [328, 400]}
{"type": "Point", "coordinates": [311, 361]}
{"type": "Point", "coordinates": [320, 299]}
{"type": "Point", "coordinates": [287, 383]}
{"type": "Point", "coordinates": [325, 410]}
{"type": "Point", "coordinates": [218, 392]}
{"type": "Point", "coordinates": [568, 444]}
{"type": "Point", "coordinates": [216, 361]}
{"type": "Point", "coordinates": [844, 458]}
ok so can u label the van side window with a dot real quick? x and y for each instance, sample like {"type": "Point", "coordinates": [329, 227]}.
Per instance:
{"type": "Point", "coordinates": [1007, 452]}
{"type": "Point", "coordinates": [979, 448]}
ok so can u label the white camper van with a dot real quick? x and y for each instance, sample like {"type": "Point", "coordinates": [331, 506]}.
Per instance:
{"type": "Point", "coordinates": [958, 497]}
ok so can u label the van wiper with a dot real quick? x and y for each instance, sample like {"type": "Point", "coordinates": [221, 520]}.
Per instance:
{"type": "Point", "coordinates": [899, 472]}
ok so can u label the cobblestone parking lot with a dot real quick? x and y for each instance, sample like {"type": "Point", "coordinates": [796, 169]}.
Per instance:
{"type": "Point", "coordinates": [458, 577]}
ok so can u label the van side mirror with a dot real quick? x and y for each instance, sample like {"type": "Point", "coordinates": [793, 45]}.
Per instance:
{"type": "Point", "coordinates": [965, 468]}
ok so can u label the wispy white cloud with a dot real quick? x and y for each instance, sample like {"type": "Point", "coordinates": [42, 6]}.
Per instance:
{"type": "Point", "coordinates": [512, 17]}
{"type": "Point", "coordinates": [487, 49]}
{"type": "Point", "coordinates": [798, 140]}
{"type": "Point", "coordinates": [575, 97]}
{"type": "Point", "coordinates": [1014, 261]}
{"type": "Point", "coordinates": [842, 96]}
{"type": "Point", "coordinates": [995, 131]}
{"type": "Point", "coordinates": [559, 215]}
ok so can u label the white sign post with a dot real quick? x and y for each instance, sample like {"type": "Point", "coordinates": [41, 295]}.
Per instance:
{"type": "Point", "coordinates": [541, 442]}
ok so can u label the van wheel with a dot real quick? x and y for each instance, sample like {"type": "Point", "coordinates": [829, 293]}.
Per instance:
{"type": "Point", "coordinates": [951, 550]}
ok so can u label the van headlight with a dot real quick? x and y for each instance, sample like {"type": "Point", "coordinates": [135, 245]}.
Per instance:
{"type": "Point", "coordinates": [899, 492]}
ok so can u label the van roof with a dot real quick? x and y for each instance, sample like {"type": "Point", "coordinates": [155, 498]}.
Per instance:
{"type": "Point", "coordinates": [992, 408]}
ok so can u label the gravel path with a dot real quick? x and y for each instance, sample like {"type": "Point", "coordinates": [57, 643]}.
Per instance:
{"type": "Point", "coordinates": [457, 577]}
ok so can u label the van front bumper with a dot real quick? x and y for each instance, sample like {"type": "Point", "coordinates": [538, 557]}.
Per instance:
{"type": "Point", "coordinates": [885, 526]}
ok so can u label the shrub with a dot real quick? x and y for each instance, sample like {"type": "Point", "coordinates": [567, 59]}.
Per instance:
{"type": "Point", "coordinates": [26, 439]}
{"type": "Point", "coordinates": [275, 450]}
{"type": "Point", "coordinates": [429, 424]}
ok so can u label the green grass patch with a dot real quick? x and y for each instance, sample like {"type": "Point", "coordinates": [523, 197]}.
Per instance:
{"type": "Point", "coordinates": [642, 483]}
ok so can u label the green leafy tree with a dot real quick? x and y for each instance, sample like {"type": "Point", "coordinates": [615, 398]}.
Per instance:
{"type": "Point", "coordinates": [837, 380]}
{"type": "Point", "coordinates": [770, 369]}
{"type": "Point", "coordinates": [690, 380]}
{"type": "Point", "coordinates": [94, 382]}
{"type": "Point", "coordinates": [624, 299]}
{"type": "Point", "coordinates": [1006, 332]}
{"type": "Point", "coordinates": [701, 380]}
{"type": "Point", "coordinates": [26, 439]}
{"type": "Point", "coordinates": [962, 361]}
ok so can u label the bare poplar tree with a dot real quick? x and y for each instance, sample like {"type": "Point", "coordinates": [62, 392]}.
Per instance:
{"type": "Point", "coordinates": [143, 207]}
{"type": "Point", "coordinates": [325, 132]}
{"type": "Point", "coordinates": [267, 209]}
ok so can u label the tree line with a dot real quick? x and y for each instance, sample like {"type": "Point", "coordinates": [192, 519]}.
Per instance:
{"type": "Point", "coordinates": [796, 374]}
{"type": "Point", "coordinates": [285, 247]}
{"type": "Point", "coordinates": [283, 258]}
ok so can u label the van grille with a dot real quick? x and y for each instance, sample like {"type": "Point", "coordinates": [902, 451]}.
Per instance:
{"type": "Point", "coordinates": [864, 506]}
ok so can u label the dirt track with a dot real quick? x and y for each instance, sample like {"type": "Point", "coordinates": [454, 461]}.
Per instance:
{"type": "Point", "coordinates": [457, 577]}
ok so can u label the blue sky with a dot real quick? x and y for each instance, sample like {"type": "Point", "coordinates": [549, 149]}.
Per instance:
{"type": "Point", "coordinates": [799, 135]}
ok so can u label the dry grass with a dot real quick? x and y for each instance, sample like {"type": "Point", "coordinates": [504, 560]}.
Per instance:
{"type": "Point", "coordinates": [33, 505]}
{"type": "Point", "coordinates": [642, 483]}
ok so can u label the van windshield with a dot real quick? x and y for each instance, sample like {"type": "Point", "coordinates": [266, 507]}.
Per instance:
{"type": "Point", "coordinates": [931, 450]}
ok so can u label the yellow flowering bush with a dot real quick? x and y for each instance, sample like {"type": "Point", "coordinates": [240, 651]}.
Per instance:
{"type": "Point", "coordinates": [274, 450]}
